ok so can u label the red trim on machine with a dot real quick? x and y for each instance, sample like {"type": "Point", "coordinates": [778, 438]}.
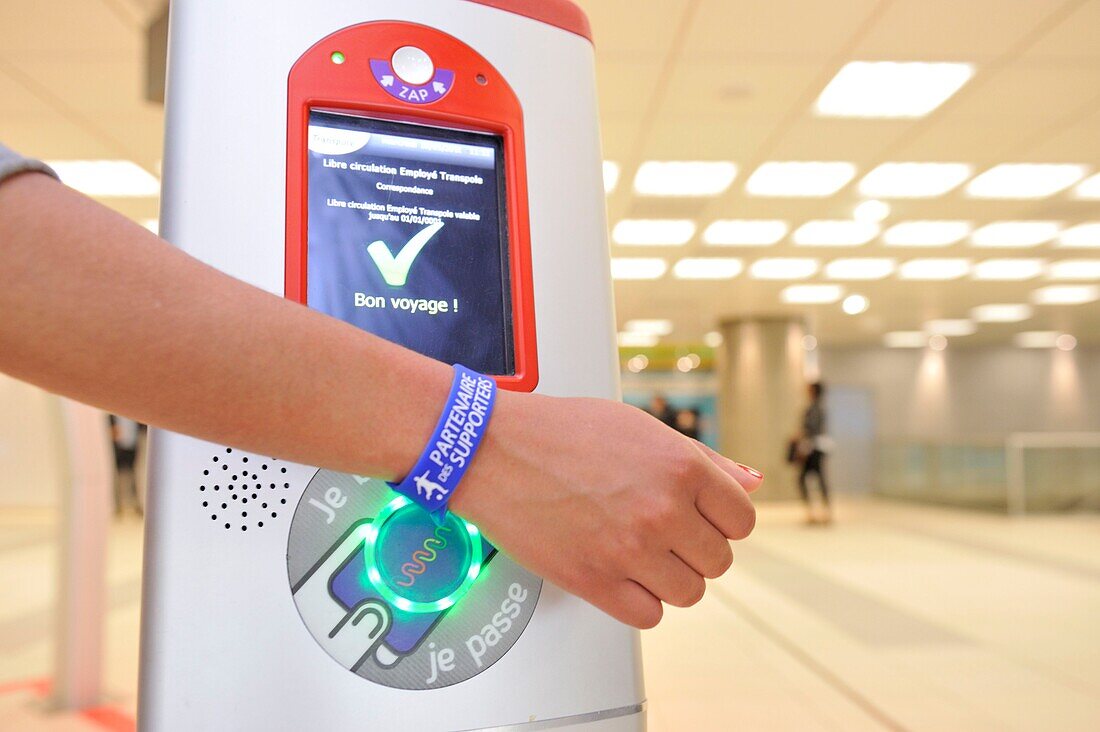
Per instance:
{"type": "Point", "coordinates": [562, 14]}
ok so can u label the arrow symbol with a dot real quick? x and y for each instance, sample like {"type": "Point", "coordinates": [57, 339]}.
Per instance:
{"type": "Point", "coordinates": [387, 80]}
{"type": "Point", "coordinates": [439, 88]}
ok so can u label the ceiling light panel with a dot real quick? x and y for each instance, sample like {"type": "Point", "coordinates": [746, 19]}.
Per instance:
{"type": "Point", "coordinates": [637, 340]}
{"type": "Point", "coordinates": [610, 176]}
{"type": "Point", "coordinates": [1015, 234]}
{"type": "Point", "coordinates": [835, 232]}
{"type": "Point", "coordinates": [934, 269]}
{"type": "Point", "coordinates": [1025, 180]}
{"type": "Point", "coordinates": [811, 294]}
{"type": "Point", "coordinates": [652, 326]}
{"type": "Point", "coordinates": [891, 88]}
{"type": "Point", "coordinates": [1089, 187]}
{"type": "Point", "coordinates": [1008, 269]}
{"type": "Point", "coordinates": [1075, 269]}
{"type": "Point", "coordinates": [1036, 339]}
{"type": "Point", "coordinates": [707, 268]}
{"type": "Point", "coordinates": [868, 268]}
{"type": "Point", "coordinates": [914, 180]}
{"type": "Point", "coordinates": [783, 268]}
{"type": "Point", "coordinates": [1065, 295]}
{"type": "Point", "coordinates": [905, 339]}
{"type": "Point", "coordinates": [872, 210]}
{"type": "Point", "coordinates": [926, 233]}
{"type": "Point", "coordinates": [1045, 339]}
{"type": "Point", "coordinates": [1001, 313]}
{"type": "Point", "coordinates": [637, 268]}
{"type": "Point", "coordinates": [953, 327]}
{"type": "Point", "coordinates": [1085, 236]}
{"type": "Point", "coordinates": [855, 304]}
{"type": "Point", "coordinates": [745, 232]}
{"type": "Point", "coordinates": [684, 178]}
{"type": "Point", "coordinates": [653, 232]}
{"type": "Point", "coordinates": [107, 178]}
{"type": "Point", "coordinates": [800, 179]}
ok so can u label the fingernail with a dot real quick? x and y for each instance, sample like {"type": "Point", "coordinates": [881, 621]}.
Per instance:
{"type": "Point", "coordinates": [751, 471]}
{"type": "Point", "coordinates": [751, 478]}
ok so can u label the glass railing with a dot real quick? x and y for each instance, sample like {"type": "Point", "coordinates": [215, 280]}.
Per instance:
{"type": "Point", "coordinates": [1027, 472]}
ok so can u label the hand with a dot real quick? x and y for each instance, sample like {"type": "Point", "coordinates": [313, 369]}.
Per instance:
{"type": "Point", "coordinates": [607, 502]}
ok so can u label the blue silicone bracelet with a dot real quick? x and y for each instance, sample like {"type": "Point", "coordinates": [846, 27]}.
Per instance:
{"type": "Point", "coordinates": [432, 481]}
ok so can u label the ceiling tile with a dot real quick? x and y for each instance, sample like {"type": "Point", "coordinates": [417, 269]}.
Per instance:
{"type": "Point", "coordinates": [139, 133]}
{"type": "Point", "coordinates": [739, 88]}
{"type": "Point", "coordinates": [625, 87]}
{"type": "Point", "coordinates": [17, 99]}
{"type": "Point", "coordinates": [630, 30]}
{"type": "Point", "coordinates": [72, 28]}
{"type": "Point", "coordinates": [970, 141]}
{"type": "Point", "coordinates": [91, 84]}
{"type": "Point", "coordinates": [779, 30]}
{"type": "Point", "coordinates": [620, 135]}
{"type": "Point", "coordinates": [855, 140]}
{"type": "Point", "coordinates": [706, 137]}
{"type": "Point", "coordinates": [951, 30]}
{"type": "Point", "coordinates": [1073, 39]}
{"type": "Point", "coordinates": [1025, 91]}
{"type": "Point", "coordinates": [49, 136]}
{"type": "Point", "coordinates": [1076, 142]}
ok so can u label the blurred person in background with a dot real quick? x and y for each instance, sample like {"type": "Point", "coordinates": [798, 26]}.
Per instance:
{"type": "Point", "coordinates": [687, 423]}
{"type": "Point", "coordinates": [124, 438]}
{"type": "Point", "coordinates": [659, 408]}
{"type": "Point", "coordinates": [813, 445]}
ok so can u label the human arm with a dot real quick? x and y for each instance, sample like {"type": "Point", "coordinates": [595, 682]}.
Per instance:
{"type": "Point", "coordinates": [99, 309]}
{"type": "Point", "coordinates": [594, 495]}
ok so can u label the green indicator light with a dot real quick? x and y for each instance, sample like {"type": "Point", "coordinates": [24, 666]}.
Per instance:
{"type": "Point", "coordinates": [337, 57]}
{"type": "Point", "coordinates": [419, 567]}
{"type": "Point", "coordinates": [374, 576]}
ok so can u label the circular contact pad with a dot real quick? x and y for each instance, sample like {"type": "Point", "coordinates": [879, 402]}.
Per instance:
{"type": "Point", "coordinates": [452, 604]}
{"type": "Point", "coordinates": [418, 566]}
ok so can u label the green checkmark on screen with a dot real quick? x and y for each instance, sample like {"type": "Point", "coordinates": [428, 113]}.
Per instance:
{"type": "Point", "coordinates": [395, 269]}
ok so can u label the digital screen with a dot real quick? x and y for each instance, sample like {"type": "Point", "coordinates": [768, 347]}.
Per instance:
{"type": "Point", "coordinates": [407, 237]}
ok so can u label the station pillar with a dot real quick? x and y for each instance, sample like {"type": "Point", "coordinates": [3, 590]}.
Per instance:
{"type": "Point", "coordinates": [762, 392]}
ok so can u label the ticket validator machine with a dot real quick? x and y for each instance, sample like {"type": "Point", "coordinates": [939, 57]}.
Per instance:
{"type": "Point", "coordinates": [428, 171]}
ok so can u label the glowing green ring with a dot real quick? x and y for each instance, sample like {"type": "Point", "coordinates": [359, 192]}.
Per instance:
{"type": "Point", "coordinates": [370, 537]}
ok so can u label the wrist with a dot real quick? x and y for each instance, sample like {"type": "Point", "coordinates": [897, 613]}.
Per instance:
{"type": "Point", "coordinates": [427, 393]}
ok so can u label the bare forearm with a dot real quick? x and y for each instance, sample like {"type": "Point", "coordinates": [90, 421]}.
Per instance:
{"type": "Point", "coordinates": [98, 309]}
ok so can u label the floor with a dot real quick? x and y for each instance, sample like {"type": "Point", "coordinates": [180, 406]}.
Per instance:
{"type": "Point", "coordinates": [897, 617]}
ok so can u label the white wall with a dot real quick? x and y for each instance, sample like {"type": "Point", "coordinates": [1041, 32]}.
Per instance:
{"type": "Point", "coordinates": [972, 394]}
{"type": "Point", "coordinates": [32, 457]}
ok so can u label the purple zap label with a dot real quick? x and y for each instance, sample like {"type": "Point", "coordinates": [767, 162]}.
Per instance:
{"type": "Point", "coordinates": [433, 91]}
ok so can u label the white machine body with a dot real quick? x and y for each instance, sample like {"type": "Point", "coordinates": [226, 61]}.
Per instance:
{"type": "Point", "coordinates": [230, 641]}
